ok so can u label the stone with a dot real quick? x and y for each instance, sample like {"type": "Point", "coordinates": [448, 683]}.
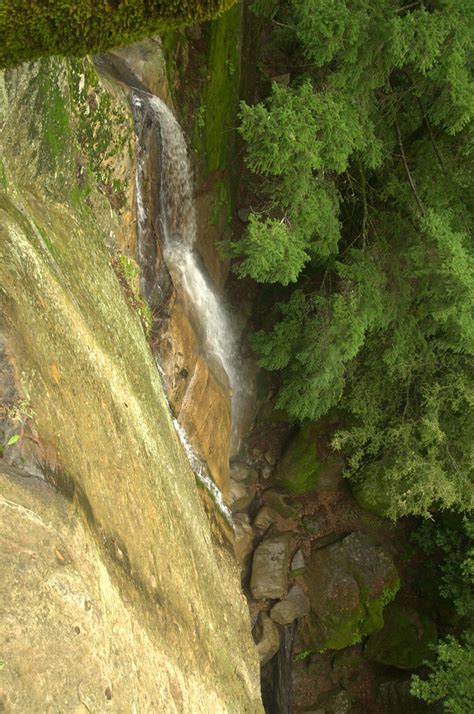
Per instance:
{"type": "Point", "coordinates": [295, 605]}
{"type": "Point", "coordinates": [281, 503]}
{"type": "Point", "coordinates": [282, 79]}
{"type": "Point", "coordinates": [266, 472]}
{"type": "Point", "coordinates": [243, 537]}
{"type": "Point", "coordinates": [297, 563]}
{"type": "Point", "coordinates": [265, 517]}
{"type": "Point", "coordinates": [394, 697]}
{"type": "Point", "coordinates": [349, 584]}
{"type": "Point", "coordinates": [241, 495]}
{"type": "Point", "coordinates": [375, 501]}
{"type": "Point", "coordinates": [336, 702]}
{"type": "Point", "coordinates": [312, 524]}
{"type": "Point", "coordinates": [266, 636]}
{"type": "Point", "coordinates": [406, 640]}
{"type": "Point", "coordinates": [301, 469]}
{"type": "Point", "coordinates": [240, 471]}
{"type": "Point", "coordinates": [270, 568]}
{"type": "Point", "coordinates": [243, 214]}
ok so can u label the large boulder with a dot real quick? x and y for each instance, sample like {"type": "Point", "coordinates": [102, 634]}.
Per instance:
{"type": "Point", "coordinates": [349, 584]}
{"type": "Point", "coordinates": [270, 568]}
{"type": "Point", "coordinates": [303, 469]}
{"type": "Point", "coordinates": [406, 640]}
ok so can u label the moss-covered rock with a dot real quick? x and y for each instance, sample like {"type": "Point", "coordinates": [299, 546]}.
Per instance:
{"type": "Point", "coordinates": [349, 584]}
{"type": "Point", "coordinates": [371, 500]}
{"type": "Point", "coordinates": [303, 469]}
{"type": "Point", "coordinates": [29, 30]}
{"type": "Point", "coordinates": [406, 640]}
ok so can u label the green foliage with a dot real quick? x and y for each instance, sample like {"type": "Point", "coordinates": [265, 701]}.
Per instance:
{"type": "Point", "coordinates": [365, 202]}
{"type": "Point", "coordinates": [29, 30]}
{"type": "Point", "coordinates": [452, 677]}
{"type": "Point", "coordinates": [448, 546]}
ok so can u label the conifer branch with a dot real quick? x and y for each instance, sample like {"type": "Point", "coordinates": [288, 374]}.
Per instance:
{"type": "Point", "coordinates": [407, 169]}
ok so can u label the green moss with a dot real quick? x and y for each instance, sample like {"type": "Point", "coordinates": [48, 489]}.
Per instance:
{"type": "Point", "coordinates": [3, 177]}
{"type": "Point", "coordinates": [128, 273]}
{"type": "Point", "coordinates": [213, 138]}
{"type": "Point", "coordinates": [374, 501]}
{"type": "Point", "coordinates": [406, 640]}
{"type": "Point", "coordinates": [29, 30]}
{"type": "Point", "coordinates": [222, 204]}
{"type": "Point", "coordinates": [54, 107]}
{"type": "Point", "coordinates": [300, 468]}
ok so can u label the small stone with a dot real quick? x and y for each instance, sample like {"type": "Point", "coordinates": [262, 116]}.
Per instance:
{"type": "Point", "coordinates": [312, 524]}
{"type": "Point", "coordinates": [281, 503]}
{"type": "Point", "coordinates": [240, 471]}
{"type": "Point", "coordinates": [295, 605]}
{"type": "Point", "coordinates": [297, 563]}
{"type": "Point", "coordinates": [266, 472]}
{"type": "Point", "coordinates": [282, 79]}
{"type": "Point", "coordinates": [241, 495]}
{"type": "Point", "coordinates": [267, 638]}
{"type": "Point", "coordinates": [264, 518]}
{"type": "Point", "coordinates": [243, 214]}
{"type": "Point", "coordinates": [270, 458]}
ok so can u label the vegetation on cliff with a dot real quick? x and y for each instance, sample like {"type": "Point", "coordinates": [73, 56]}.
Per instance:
{"type": "Point", "coordinates": [29, 30]}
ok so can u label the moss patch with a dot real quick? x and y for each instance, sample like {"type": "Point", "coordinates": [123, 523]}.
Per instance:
{"type": "Point", "coordinates": [213, 136]}
{"type": "Point", "coordinates": [299, 468]}
{"type": "Point", "coordinates": [29, 30]}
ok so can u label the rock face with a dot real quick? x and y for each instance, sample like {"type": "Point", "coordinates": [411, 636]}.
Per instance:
{"type": "Point", "coordinates": [267, 638]}
{"type": "Point", "coordinates": [116, 597]}
{"type": "Point", "coordinates": [406, 640]}
{"type": "Point", "coordinates": [270, 568]}
{"type": "Point", "coordinates": [349, 584]}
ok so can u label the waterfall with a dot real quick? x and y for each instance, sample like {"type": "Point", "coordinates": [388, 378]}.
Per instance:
{"type": "Point", "coordinates": [178, 228]}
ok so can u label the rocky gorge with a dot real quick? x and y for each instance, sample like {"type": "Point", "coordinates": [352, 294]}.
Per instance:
{"type": "Point", "coordinates": [170, 541]}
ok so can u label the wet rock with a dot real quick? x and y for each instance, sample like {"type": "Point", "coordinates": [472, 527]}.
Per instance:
{"type": "Point", "coordinates": [281, 503]}
{"type": "Point", "coordinates": [295, 605]}
{"type": "Point", "coordinates": [297, 563]}
{"type": "Point", "coordinates": [244, 536]}
{"type": "Point", "coordinates": [265, 517]}
{"type": "Point", "coordinates": [349, 584]}
{"type": "Point", "coordinates": [241, 495]}
{"type": "Point", "coordinates": [266, 636]}
{"type": "Point", "coordinates": [301, 469]}
{"type": "Point", "coordinates": [406, 639]}
{"type": "Point", "coordinates": [270, 568]}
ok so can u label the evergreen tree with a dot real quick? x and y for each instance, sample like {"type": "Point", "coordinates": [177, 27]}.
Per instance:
{"type": "Point", "coordinates": [363, 167]}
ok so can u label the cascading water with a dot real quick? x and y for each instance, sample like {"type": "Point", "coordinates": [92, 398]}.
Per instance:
{"type": "Point", "coordinates": [177, 225]}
